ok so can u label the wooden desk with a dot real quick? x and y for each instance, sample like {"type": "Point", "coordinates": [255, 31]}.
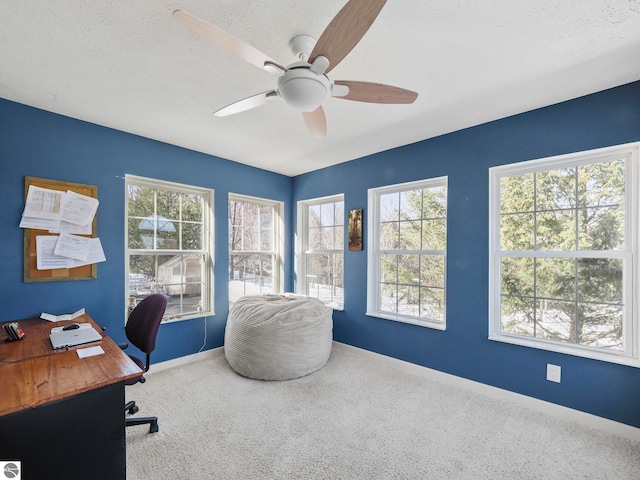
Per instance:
{"type": "Point", "coordinates": [60, 415]}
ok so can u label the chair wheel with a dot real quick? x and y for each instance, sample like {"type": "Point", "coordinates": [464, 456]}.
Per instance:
{"type": "Point", "coordinates": [153, 428]}
{"type": "Point", "coordinates": [133, 410]}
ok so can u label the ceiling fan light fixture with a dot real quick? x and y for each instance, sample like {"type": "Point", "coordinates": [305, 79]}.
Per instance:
{"type": "Point", "coordinates": [302, 89]}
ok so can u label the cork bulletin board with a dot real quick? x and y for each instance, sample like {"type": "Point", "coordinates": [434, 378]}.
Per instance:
{"type": "Point", "coordinates": [31, 272]}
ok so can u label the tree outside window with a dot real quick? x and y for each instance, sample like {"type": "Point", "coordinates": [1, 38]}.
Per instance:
{"type": "Point", "coordinates": [562, 254]}
{"type": "Point", "coordinates": [168, 249]}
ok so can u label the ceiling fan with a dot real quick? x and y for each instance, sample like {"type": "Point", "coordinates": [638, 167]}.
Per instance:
{"type": "Point", "coordinates": [304, 85]}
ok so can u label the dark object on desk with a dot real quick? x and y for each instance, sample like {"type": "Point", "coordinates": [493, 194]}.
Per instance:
{"type": "Point", "coordinates": [142, 329]}
{"type": "Point", "coordinates": [71, 326]}
{"type": "Point", "coordinates": [13, 330]}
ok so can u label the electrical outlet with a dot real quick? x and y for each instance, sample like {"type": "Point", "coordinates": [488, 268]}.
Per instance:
{"type": "Point", "coordinates": [553, 373]}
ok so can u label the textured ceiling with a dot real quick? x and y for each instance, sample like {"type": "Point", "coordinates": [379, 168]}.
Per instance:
{"type": "Point", "coordinates": [128, 65]}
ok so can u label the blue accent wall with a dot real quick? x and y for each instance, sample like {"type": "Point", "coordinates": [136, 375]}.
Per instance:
{"type": "Point", "coordinates": [42, 144]}
{"type": "Point", "coordinates": [602, 119]}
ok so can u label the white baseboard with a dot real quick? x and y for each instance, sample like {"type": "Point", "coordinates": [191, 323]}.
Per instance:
{"type": "Point", "coordinates": [559, 411]}
{"type": "Point", "coordinates": [176, 362]}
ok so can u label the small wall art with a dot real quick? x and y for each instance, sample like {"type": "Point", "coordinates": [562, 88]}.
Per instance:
{"type": "Point", "coordinates": [355, 229]}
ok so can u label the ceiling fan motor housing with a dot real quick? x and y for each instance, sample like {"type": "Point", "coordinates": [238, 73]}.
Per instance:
{"type": "Point", "coordinates": [302, 88]}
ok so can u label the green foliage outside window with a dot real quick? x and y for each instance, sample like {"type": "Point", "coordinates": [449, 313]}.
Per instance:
{"type": "Point", "coordinates": [560, 230]}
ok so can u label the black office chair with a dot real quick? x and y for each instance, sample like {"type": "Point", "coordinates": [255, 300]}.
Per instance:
{"type": "Point", "coordinates": [141, 330]}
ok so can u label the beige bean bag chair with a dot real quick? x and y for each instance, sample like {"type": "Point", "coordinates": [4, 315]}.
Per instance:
{"type": "Point", "coordinates": [278, 337]}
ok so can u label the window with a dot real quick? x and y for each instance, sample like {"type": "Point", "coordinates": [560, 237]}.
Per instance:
{"type": "Point", "coordinates": [407, 256]}
{"type": "Point", "coordinates": [169, 241]}
{"type": "Point", "coordinates": [255, 246]}
{"type": "Point", "coordinates": [563, 244]}
{"type": "Point", "coordinates": [321, 250]}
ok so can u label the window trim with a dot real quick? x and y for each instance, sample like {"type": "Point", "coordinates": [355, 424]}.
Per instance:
{"type": "Point", "coordinates": [302, 243]}
{"type": "Point", "coordinates": [631, 322]}
{"type": "Point", "coordinates": [278, 232]}
{"type": "Point", "coordinates": [208, 238]}
{"type": "Point", "coordinates": [373, 242]}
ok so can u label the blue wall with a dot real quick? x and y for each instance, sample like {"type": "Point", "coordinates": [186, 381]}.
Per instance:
{"type": "Point", "coordinates": [606, 118]}
{"type": "Point", "coordinates": [41, 144]}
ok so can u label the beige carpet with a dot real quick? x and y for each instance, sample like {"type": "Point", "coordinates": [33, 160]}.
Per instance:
{"type": "Point", "coordinates": [355, 419]}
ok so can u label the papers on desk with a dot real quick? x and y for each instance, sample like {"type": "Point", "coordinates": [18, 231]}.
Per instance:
{"type": "Point", "coordinates": [68, 214]}
{"type": "Point", "coordinates": [68, 316]}
{"type": "Point", "coordinates": [90, 351]}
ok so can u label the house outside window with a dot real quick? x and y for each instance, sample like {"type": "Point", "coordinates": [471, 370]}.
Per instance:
{"type": "Point", "coordinates": [407, 252]}
{"type": "Point", "coordinates": [563, 254]}
{"type": "Point", "coordinates": [255, 246]}
{"type": "Point", "coordinates": [320, 259]}
{"type": "Point", "coordinates": [169, 240]}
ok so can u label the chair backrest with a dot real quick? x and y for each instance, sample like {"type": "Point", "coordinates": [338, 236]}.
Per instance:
{"type": "Point", "coordinates": [144, 321]}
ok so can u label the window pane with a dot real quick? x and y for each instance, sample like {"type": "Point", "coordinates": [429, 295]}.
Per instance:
{"type": "Point", "coordinates": [516, 232]}
{"type": "Point", "coordinates": [389, 207]}
{"type": "Point", "coordinates": [556, 189]}
{"type": "Point", "coordinates": [266, 240]}
{"type": "Point", "coordinates": [339, 213]}
{"type": "Point", "coordinates": [388, 268]}
{"type": "Point", "coordinates": [434, 234]}
{"type": "Point", "coordinates": [517, 276]}
{"type": "Point", "coordinates": [432, 271]}
{"type": "Point", "coordinates": [434, 202]}
{"type": "Point", "coordinates": [388, 298]}
{"type": "Point", "coordinates": [432, 303]}
{"type": "Point", "coordinates": [390, 235]}
{"type": "Point", "coordinates": [192, 236]}
{"type": "Point", "coordinates": [409, 269]}
{"type": "Point", "coordinates": [192, 208]}
{"type": "Point", "coordinates": [601, 228]}
{"type": "Point", "coordinates": [555, 278]}
{"type": "Point", "coordinates": [166, 235]}
{"type": "Point", "coordinates": [601, 184]}
{"type": "Point", "coordinates": [411, 205]}
{"type": "Point", "coordinates": [600, 280]}
{"type": "Point", "coordinates": [141, 201]}
{"type": "Point", "coordinates": [601, 325]}
{"type": "Point", "coordinates": [556, 230]}
{"type": "Point", "coordinates": [410, 235]}
{"type": "Point", "coordinates": [555, 320]}
{"type": "Point", "coordinates": [517, 315]}
{"type": "Point", "coordinates": [409, 300]}
{"type": "Point", "coordinates": [314, 216]}
{"type": "Point", "coordinates": [517, 194]}
{"type": "Point", "coordinates": [338, 238]}
{"type": "Point", "coordinates": [168, 204]}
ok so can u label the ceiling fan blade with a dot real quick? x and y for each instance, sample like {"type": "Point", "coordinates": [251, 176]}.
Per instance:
{"type": "Point", "coordinates": [246, 103]}
{"type": "Point", "coordinates": [376, 93]}
{"type": "Point", "coordinates": [345, 30]}
{"type": "Point", "coordinates": [316, 122]}
{"type": "Point", "coordinates": [224, 39]}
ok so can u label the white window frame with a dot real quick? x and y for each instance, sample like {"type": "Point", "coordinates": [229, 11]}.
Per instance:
{"type": "Point", "coordinates": [207, 299]}
{"type": "Point", "coordinates": [302, 245]}
{"type": "Point", "coordinates": [630, 355]}
{"type": "Point", "coordinates": [278, 238]}
{"type": "Point", "coordinates": [374, 253]}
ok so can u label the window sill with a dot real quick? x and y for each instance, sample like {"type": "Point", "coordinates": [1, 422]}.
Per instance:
{"type": "Point", "coordinates": [567, 349]}
{"type": "Point", "coordinates": [188, 317]}
{"type": "Point", "coordinates": [411, 320]}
